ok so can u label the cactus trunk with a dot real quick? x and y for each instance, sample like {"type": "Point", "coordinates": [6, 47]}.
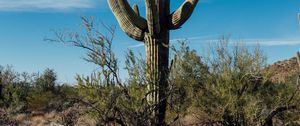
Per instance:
{"type": "Point", "coordinates": [154, 32]}
{"type": "Point", "coordinates": [157, 68]}
{"type": "Point", "coordinates": [157, 51]}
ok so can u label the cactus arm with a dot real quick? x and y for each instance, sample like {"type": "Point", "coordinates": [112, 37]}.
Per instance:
{"type": "Point", "coordinates": [152, 18]}
{"type": "Point", "coordinates": [136, 9]}
{"type": "Point", "coordinates": [135, 18]}
{"type": "Point", "coordinates": [132, 24]}
{"type": "Point", "coordinates": [182, 14]}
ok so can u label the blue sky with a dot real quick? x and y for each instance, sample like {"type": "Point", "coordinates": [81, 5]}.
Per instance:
{"type": "Point", "coordinates": [25, 23]}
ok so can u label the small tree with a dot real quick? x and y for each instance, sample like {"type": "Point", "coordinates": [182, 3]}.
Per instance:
{"type": "Point", "coordinates": [111, 100]}
{"type": "Point", "coordinates": [7, 83]}
{"type": "Point", "coordinates": [47, 81]}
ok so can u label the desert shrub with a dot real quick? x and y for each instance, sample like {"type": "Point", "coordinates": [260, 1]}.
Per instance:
{"type": "Point", "coordinates": [8, 81]}
{"type": "Point", "coordinates": [136, 68]}
{"type": "Point", "coordinates": [38, 101]}
{"type": "Point", "coordinates": [110, 99]}
{"type": "Point", "coordinates": [113, 101]}
{"type": "Point", "coordinates": [64, 93]}
{"type": "Point", "coordinates": [21, 92]}
{"type": "Point", "coordinates": [6, 120]}
{"type": "Point", "coordinates": [46, 81]}
{"type": "Point", "coordinates": [111, 104]}
{"type": "Point", "coordinates": [70, 116]}
{"type": "Point", "coordinates": [15, 89]}
{"type": "Point", "coordinates": [236, 92]}
{"type": "Point", "coordinates": [16, 98]}
{"type": "Point", "coordinates": [186, 79]}
{"type": "Point", "coordinates": [47, 95]}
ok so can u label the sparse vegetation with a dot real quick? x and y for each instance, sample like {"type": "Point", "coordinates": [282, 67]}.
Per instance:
{"type": "Point", "coordinates": [230, 85]}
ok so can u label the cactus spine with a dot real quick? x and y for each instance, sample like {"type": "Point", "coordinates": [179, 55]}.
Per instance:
{"type": "Point", "coordinates": [154, 32]}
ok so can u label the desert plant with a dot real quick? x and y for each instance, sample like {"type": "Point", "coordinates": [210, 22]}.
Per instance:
{"type": "Point", "coordinates": [186, 79]}
{"type": "Point", "coordinates": [70, 116]}
{"type": "Point", "coordinates": [7, 77]}
{"type": "Point", "coordinates": [235, 91]}
{"type": "Point", "coordinates": [15, 88]}
{"type": "Point", "coordinates": [154, 32]}
{"type": "Point", "coordinates": [6, 120]}
{"type": "Point", "coordinates": [46, 81]}
{"type": "Point", "coordinates": [40, 100]}
{"type": "Point", "coordinates": [110, 99]}
{"type": "Point", "coordinates": [23, 91]}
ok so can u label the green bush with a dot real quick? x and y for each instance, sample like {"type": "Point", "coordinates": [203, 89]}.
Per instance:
{"type": "Point", "coordinates": [46, 81]}
{"type": "Point", "coordinates": [21, 92]}
{"type": "Point", "coordinates": [38, 101]}
{"type": "Point", "coordinates": [235, 91]}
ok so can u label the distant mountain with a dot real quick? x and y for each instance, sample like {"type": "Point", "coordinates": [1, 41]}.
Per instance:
{"type": "Point", "coordinates": [282, 70]}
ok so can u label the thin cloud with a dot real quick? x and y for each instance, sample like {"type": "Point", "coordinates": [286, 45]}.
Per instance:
{"type": "Point", "coordinates": [207, 37]}
{"type": "Point", "coordinates": [272, 42]}
{"type": "Point", "coordinates": [136, 46]}
{"type": "Point", "coordinates": [211, 39]}
{"type": "Point", "coordinates": [35, 5]}
{"type": "Point", "coordinates": [261, 42]}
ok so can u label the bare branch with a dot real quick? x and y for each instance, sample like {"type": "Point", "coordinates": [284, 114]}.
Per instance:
{"type": "Point", "coordinates": [269, 120]}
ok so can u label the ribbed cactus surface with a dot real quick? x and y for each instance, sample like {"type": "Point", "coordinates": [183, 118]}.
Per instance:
{"type": "Point", "coordinates": [154, 32]}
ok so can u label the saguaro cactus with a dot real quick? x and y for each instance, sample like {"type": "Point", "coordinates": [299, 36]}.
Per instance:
{"type": "Point", "coordinates": [154, 32]}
